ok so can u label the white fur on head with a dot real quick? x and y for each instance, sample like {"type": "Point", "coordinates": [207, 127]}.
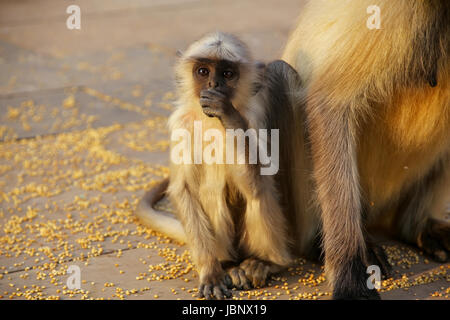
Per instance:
{"type": "Point", "coordinates": [221, 46]}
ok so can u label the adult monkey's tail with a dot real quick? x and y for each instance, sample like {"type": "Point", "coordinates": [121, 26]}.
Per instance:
{"type": "Point", "coordinates": [158, 220]}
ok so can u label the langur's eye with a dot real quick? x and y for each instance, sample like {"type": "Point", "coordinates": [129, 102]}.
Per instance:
{"type": "Point", "coordinates": [228, 74]}
{"type": "Point", "coordinates": [203, 71]}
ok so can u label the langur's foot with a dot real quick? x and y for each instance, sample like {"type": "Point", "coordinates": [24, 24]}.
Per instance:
{"type": "Point", "coordinates": [434, 239]}
{"type": "Point", "coordinates": [236, 278]}
{"type": "Point", "coordinates": [258, 271]}
{"type": "Point", "coordinates": [377, 256]}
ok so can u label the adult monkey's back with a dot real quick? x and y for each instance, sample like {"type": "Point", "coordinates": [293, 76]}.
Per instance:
{"type": "Point", "coordinates": [379, 117]}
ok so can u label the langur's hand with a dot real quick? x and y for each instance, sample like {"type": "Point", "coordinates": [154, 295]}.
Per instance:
{"type": "Point", "coordinates": [215, 103]}
{"type": "Point", "coordinates": [215, 287]}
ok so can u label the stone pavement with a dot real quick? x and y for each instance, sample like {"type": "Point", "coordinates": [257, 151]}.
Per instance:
{"type": "Point", "coordinates": [82, 135]}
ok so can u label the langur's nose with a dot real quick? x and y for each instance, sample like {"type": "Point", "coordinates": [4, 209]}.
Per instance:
{"type": "Point", "coordinates": [213, 84]}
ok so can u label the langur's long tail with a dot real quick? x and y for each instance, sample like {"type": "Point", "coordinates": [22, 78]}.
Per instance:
{"type": "Point", "coordinates": [158, 220]}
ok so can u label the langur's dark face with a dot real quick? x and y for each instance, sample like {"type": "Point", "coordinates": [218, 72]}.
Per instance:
{"type": "Point", "coordinates": [220, 75]}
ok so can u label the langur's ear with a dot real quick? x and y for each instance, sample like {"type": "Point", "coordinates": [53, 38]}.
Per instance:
{"type": "Point", "coordinates": [179, 53]}
{"type": "Point", "coordinates": [260, 68]}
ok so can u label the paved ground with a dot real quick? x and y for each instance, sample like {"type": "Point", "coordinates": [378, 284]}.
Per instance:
{"type": "Point", "coordinates": [82, 135]}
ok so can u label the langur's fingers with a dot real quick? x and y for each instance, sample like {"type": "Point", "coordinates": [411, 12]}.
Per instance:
{"type": "Point", "coordinates": [215, 92]}
{"type": "Point", "coordinates": [226, 292]}
{"type": "Point", "coordinates": [206, 94]}
{"type": "Point", "coordinates": [245, 283]}
{"type": "Point", "coordinates": [234, 277]}
{"type": "Point", "coordinates": [260, 276]}
{"type": "Point", "coordinates": [200, 291]}
{"type": "Point", "coordinates": [210, 112]}
{"type": "Point", "coordinates": [207, 292]}
{"type": "Point", "coordinates": [227, 281]}
{"type": "Point", "coordinates": [205, 97]}
{"type": "Point", "coordinates": [238, 278]}
{"type": "Point", "coordinates": [212, 104]}
{"type": "Point", "coordinates": [217, 293]}
{"type": "Point", "coordinates": [250, 268]}
{"type": "Point", "coordinates": [207, 102]}
{"type": "Point", "coordinates": [212, 94]}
